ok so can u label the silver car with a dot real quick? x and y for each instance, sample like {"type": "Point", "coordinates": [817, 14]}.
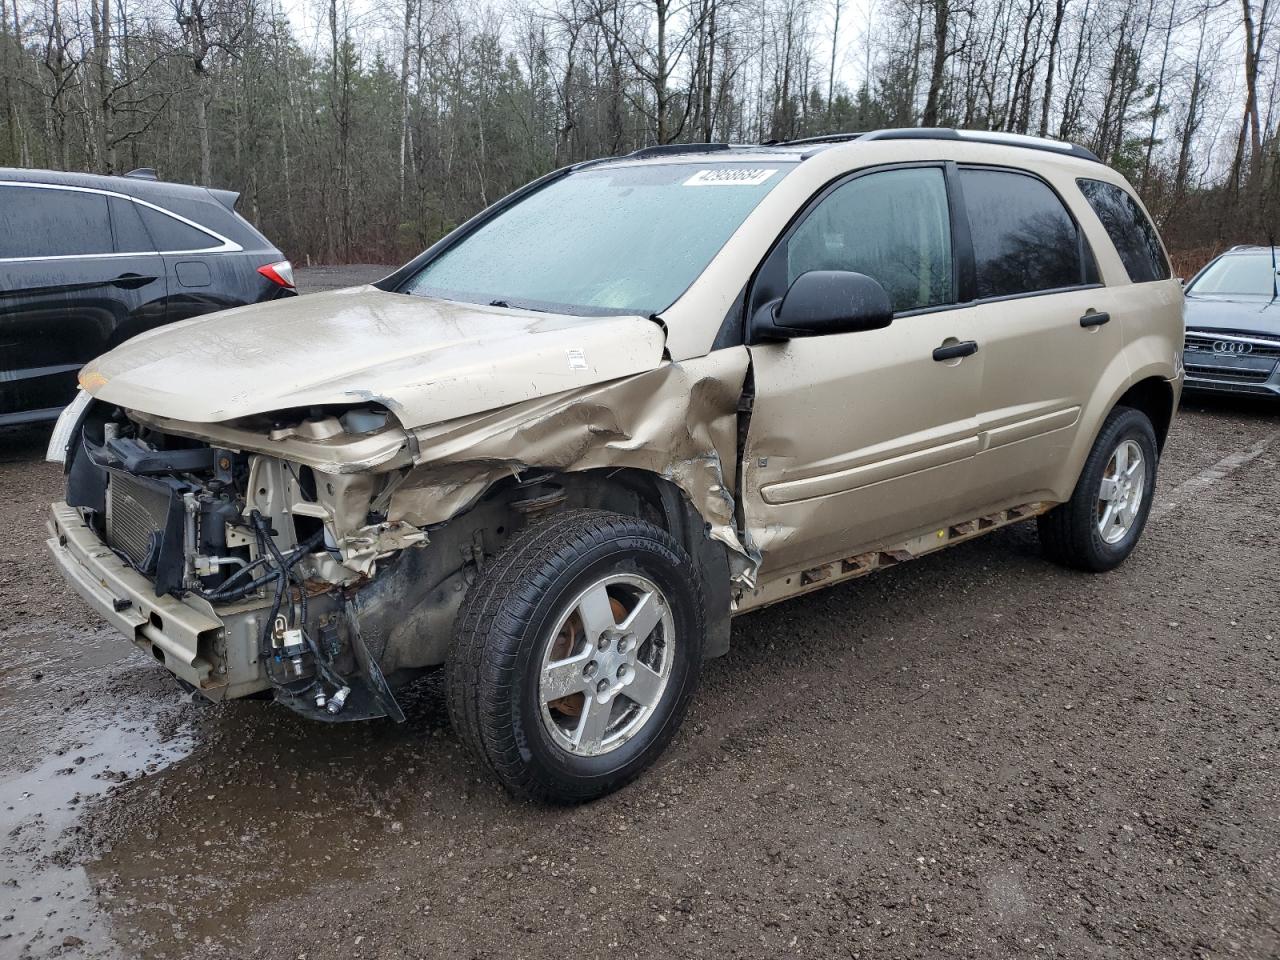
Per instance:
{"type": "Point", "coordinates": [1233, 324]}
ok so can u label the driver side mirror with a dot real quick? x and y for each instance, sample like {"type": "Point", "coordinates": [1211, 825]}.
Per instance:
{"type": "Point", "coordinates": [824, 301]}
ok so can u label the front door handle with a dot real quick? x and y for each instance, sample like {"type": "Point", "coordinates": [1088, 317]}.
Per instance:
{"type": "Point", "coordinates": [131, 281]}
{"type": "Point", "coordinates": [1095, 318]}
{"type": "Point", "coordinates": [954, 351]}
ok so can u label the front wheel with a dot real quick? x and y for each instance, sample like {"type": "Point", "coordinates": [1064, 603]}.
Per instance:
{"type": "Point", "coordinates": [1100, 525]}
{"type": "Point", "coordinates": [576, 654]}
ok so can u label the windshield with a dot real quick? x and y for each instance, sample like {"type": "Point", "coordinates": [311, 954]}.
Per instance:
{"type": "Point", "coordinates": [1248, 274]}
{"type": "Point", "coordinates": [603, 241]}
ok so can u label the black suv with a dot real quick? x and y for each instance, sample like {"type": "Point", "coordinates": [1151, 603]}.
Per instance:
{"type": "Point", "coordinates": [86, 262]}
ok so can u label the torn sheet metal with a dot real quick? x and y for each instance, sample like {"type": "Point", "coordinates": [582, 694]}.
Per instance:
{"type": "Point", "coordinates": [362, 549]}
{"type": "Point", "coordinates": [678, 421]}
{"type": "Point", "coordinates": [377, 451]}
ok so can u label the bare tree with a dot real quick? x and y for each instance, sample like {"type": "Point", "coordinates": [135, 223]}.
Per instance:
{"type": "Point", "coordinates": [941, 11]}
{"type": "Point", "coordinates": [835, 46]}
{"type": "Point", "coordinates": [1051, 63]}
{"type": "Point", "coordinates": [1255, 32]}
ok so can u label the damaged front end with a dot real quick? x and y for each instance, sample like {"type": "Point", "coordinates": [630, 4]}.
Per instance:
{"type": "Point", "coordinates": [238, 570]}
{"type": "Point", "coordinates": [321, 554]}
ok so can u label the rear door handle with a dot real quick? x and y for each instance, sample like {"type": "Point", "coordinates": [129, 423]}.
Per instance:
{"type": "Point", "coordinates": [1095, 318]}
{"type": "Point", "coordinates": [954, 351]}
{"type": "Point", "coordinates": [131, 281]}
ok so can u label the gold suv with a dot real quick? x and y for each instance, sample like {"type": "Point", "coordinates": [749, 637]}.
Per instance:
{"type": "Point", "coordinates": [561, 449]}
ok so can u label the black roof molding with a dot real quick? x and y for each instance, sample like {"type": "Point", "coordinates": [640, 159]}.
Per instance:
{"type": "Point", "coordinates": [673, 149]}
{"type": "Point", "coordinates": [823, 138]}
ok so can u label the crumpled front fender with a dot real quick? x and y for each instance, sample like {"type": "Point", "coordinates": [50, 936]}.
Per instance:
{"type": "Point", "coordinates": [678, 421]}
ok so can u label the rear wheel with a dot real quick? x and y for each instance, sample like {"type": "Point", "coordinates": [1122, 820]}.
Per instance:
{"type": "Point", "coordinates": [575, 655]}
{"type": "Point", "coordinates": [1100, 525]}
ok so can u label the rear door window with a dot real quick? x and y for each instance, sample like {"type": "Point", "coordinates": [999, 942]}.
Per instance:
{"type": "Point", "coordinates": [1134, 237]}
{"type": "Point", "coordinates": [41, 222]}
{"type": "Point", "coordinates": [171, 235]}
{"type": "Point", "coordinates": [1024, 240]}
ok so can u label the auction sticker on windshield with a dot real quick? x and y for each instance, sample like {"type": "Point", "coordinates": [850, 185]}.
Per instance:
{"type": "Point", "coordinates": [729, 177]}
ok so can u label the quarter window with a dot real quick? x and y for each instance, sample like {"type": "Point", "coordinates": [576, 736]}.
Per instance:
{"type": "Point", "coordinates": [1130, 231]}
{"type": "Point", "coordinates": [1024, 240]}
{"type": "Point", "coordinates": [892, 226]}
{"type": "Point", "coordinates": [171, 235]}
{"type": "Point", "coordinates": [38, 222]}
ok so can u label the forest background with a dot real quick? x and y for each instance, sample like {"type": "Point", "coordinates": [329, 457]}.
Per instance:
{"type": "Point", "coordinates": [363, 131]}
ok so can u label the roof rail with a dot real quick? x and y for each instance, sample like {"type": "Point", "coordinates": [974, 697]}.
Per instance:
{"type": "Point", "coordinates": [999, 137]}
{"type": "Point", "coordinates": [143, 173]}
{"type": "Point", "coordinates": [668, 149]}
{"type": "Point", "coordinates": [823, 138]}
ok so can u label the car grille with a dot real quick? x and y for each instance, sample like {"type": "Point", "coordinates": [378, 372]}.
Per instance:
{"type": "Point", "coordinates": [1265, 346]}
{"type": "Point", "coordinates": [1232, 374]}
{"type": "Point", "coordinates": [136, 514]}
{"type": "Point", "coordinates": [1202, 360]}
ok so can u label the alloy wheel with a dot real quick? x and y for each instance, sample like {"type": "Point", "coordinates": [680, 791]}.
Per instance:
{"type": "Point", "coordinates": [606, 664]}
{"type": "Point", "coordinates": [1120, 495]}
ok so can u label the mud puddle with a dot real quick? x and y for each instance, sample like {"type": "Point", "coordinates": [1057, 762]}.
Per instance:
{"type": "Point", "coordinates": [47, 902]}
{"type": "Point", "coordinates": [46, 662]}
{"type": "Point", "coordinates": [266, 807]}
{"type": "Point", "coordinates": [79, 715]}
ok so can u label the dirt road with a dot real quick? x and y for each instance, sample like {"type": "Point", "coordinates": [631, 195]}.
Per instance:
{"type": "Point", "coordinates": [976, 754]}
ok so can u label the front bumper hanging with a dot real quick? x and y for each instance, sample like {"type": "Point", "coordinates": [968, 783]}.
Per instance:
{"type": "Point", "coordinates": [216, 652]}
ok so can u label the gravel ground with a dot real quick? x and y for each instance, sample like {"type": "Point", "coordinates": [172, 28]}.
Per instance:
{"type": "Point", "coordinates": [976, 754]}
{"type": "Point", "coordinates": [315, 279]}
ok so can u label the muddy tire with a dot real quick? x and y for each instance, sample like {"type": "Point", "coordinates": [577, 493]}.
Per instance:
{"type": "Point", "coordinates": [575, 655]}
{"type": "Point", "coordinates": [1100, 525]}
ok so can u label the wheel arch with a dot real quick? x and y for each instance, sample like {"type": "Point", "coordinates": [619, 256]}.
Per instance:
{"type": "Point", "coordinates": [415, 599]}
{"type": "Point", "coordinates": [649, 496]}
{"type": "Point", "coordinates": [1154, 397]}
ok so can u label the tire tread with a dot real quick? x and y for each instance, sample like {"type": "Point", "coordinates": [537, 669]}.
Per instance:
{"type": "Point", "coordinates": [491, 628]}
{"type": "Point", "coordinates": [1067, 531]}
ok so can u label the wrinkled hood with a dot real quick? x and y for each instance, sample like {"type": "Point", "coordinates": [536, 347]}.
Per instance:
{"type": "Point", "coordinates": [427, 360]}
{"type": "Point", "coordinates": [1238, 314]}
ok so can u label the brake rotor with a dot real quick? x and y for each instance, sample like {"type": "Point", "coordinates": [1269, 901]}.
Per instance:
{"type": "Point", "coordinates": [565, 643]}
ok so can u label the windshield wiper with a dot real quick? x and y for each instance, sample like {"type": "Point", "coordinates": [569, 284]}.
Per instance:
{"type": "Point", "coordinates": [507, 305]}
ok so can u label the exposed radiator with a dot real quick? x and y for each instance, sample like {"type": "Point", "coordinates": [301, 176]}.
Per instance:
{"type": "Point", "coordinates": [136, 515]}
